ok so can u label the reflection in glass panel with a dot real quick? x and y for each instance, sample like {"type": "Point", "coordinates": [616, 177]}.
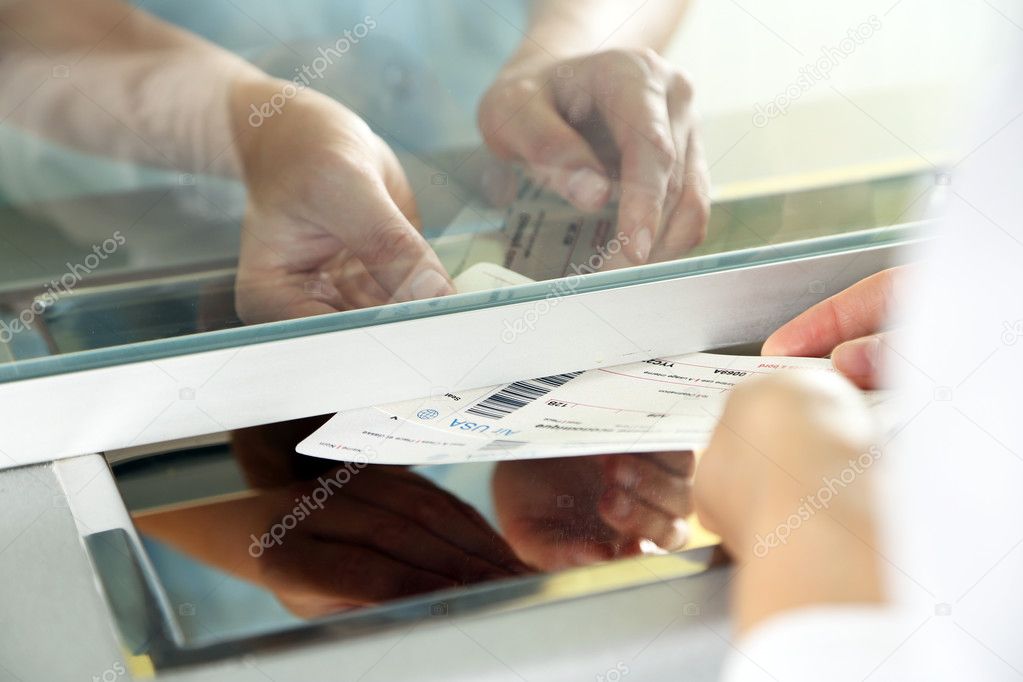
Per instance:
{"type": "Point", "coordinates": [196, 166]}
{"type": "Point", "coordinates": [247, 537]}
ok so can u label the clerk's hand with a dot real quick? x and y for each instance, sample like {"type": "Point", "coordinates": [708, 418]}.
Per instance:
{"type": "Point", "coordinates": [847, 325]}
{"type": "Point", "coordinates": [572, 511]}
{"type": "Point", "coordinates": [331, 219]}
{"type": "Point", "coordinates": [622, 115]}
{"type": "Point", "coordinates": [786, 482]}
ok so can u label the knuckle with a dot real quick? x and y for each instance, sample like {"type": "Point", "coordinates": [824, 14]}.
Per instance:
{"type": "Point", "coordinates": [390, 241]}
{"type": "Point", "coordinates": [544, 148]}
{"type": "Point", "coordinates": [663, 145]}
{"type": "Point", "coordinates": [650, 58]}
{"type": "Point", "coordinates": [643, 61]}
{"type": "Point", "coordinates": [491, 120]}
{"type": "Point", "coordinates": [681, 85]}
{"type": "Point", "coordinates": [499, 103]}
{"type": "Point", "coordinates": [512, 92]}
{"type": "Point", "coordinates": [676, 182]}
{"type": "Point", "coordinates": [697, 210]}
{"type": "Point", "coordinates": [623, 64]}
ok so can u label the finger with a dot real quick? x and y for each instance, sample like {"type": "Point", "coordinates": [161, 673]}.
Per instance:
{"type": "Point", "coordinates": [857, 311]}
{"type": "Point", "coordinates": [367, 219]}
{"type": "Point", "coordinates": [685, 204]}
{"type": "Point", "coordinates": [682, 463]}
{"type": "Point", "coordinates": [352, 521]}
{"type": "Point", "coordinates": [859, 360]}
{"type": "Point", "coordinates": [397, 184]}
{"type": "Point", "coordinates": [269, 294]}
{"type": "Point", "coordinates": [548, 547]}
{"type": "Point", "coordinates": [355, 287]}
{"type": "Point", "coordinates": [309, 569]}
{"type": "Point", "coordinates": [633, 517]}
{"type": "Point", "coordinates": [538, 135]}
{"type": "Point", "coordinates": [686, 226]}
{"type": "Point", "coordinates": [412, 497]}
{"type": "Point", "coordinates": [637, 117]}
{"type": "Point", "coordinates": [782, 432]}
{"type": "Point", "coordinates": [656, 485]}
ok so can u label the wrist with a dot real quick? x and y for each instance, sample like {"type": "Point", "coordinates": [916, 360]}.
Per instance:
{"type": "Point", "coordinates": [547, 47]}
{"type": "Point", "coordinates": [807, 551]}
{"type": "Point", "coordinates": [261, 107]}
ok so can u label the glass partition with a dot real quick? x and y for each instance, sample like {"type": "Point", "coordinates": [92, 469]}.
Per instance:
{"type": "Point", "coordinates": [186, 176]}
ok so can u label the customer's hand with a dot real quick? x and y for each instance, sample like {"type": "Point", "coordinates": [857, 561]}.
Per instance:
{"type": "Point", "coordinates": [383, 533]}
{"type": "Point", "coordinates": [624, 115]}
{"type": "Point", "coordinates": [785, 482]}
{"type": "Point", "coordinates": [572, 511]}
{"type": "Point", "coordinates": [846, 325]}
{"type": "Point", "coordinates": [331, 219]}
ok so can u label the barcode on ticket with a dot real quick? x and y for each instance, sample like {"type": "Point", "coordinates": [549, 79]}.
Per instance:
{"type": "Point", "coordinates": [517, 395]}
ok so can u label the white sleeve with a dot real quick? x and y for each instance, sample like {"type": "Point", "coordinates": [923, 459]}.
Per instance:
{"type": "Point", "coordinates": [833, 643]}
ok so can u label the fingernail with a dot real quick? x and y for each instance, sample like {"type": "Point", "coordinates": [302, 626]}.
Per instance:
{"type": "Point", "coordinates": [650, 547]}
{"type": "Point", "coordinates": [588, 188]}
{"type": "Point", "coordinates": [641, 244]}
{"type": "Point", "coordinates": [626, 475]}
{"type": "Point", "coordinates": [429, 284]}
{"type": "Point", "coordinates": [621, 507]}
{"type": "Point", "coordinates": [857, 358]}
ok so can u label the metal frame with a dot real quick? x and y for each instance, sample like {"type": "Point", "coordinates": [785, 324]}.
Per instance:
{"type": "Point", "coordinates": [146, 625]}
{"type": "Point", "coordinates": [150, 401]}
{"type": "Point", "coordinates": [123, 618]}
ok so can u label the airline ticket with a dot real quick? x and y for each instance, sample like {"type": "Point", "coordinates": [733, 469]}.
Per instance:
{"type": "Point", "coordinates": [660, 404]}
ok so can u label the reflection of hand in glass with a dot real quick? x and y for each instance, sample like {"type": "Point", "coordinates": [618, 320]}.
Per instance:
{"type": "Point", "coordinates": [330, 221]}
{"type": "Point", "coordinates": [353, 537]}
{"type": "Point", "coordinates": [331, 217]}
{"type": "Point", "coordinates": [574, 511]}
{"type": "Point", "coordinates": [387, 533]}
{"type": "Point", "coordinates": [625, 114]}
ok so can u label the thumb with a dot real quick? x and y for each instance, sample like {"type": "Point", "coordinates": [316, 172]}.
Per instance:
{"type": "Point", "coordinates": [859, 360]}
{"type": "Point", "coordinates": [379, 233]}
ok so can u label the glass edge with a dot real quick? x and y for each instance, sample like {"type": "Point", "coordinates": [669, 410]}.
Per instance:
{"type": "Point", "coordinates": [458, 303]}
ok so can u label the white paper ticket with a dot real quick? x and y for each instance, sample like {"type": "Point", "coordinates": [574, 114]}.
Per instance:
{"type": "Point", "coordinates": [655, 405]}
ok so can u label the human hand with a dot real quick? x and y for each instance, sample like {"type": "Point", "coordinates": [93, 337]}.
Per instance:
{"type": "Point", "coordinates": [331, 219]}
{"type": "Point", "coordinates": [572, 511]}
{"type": "Point", "coordinates": [846, 325]}
{"type": "Point", "coordinates": [785, 483]}
{"type": "Point", "coordinates": [624, 115]}
{"type": "Point", "coordinates": [383, 533]}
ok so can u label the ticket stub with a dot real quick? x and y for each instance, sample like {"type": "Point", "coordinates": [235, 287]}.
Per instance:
{"type": "Point", "coordinates": [656, 405]}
